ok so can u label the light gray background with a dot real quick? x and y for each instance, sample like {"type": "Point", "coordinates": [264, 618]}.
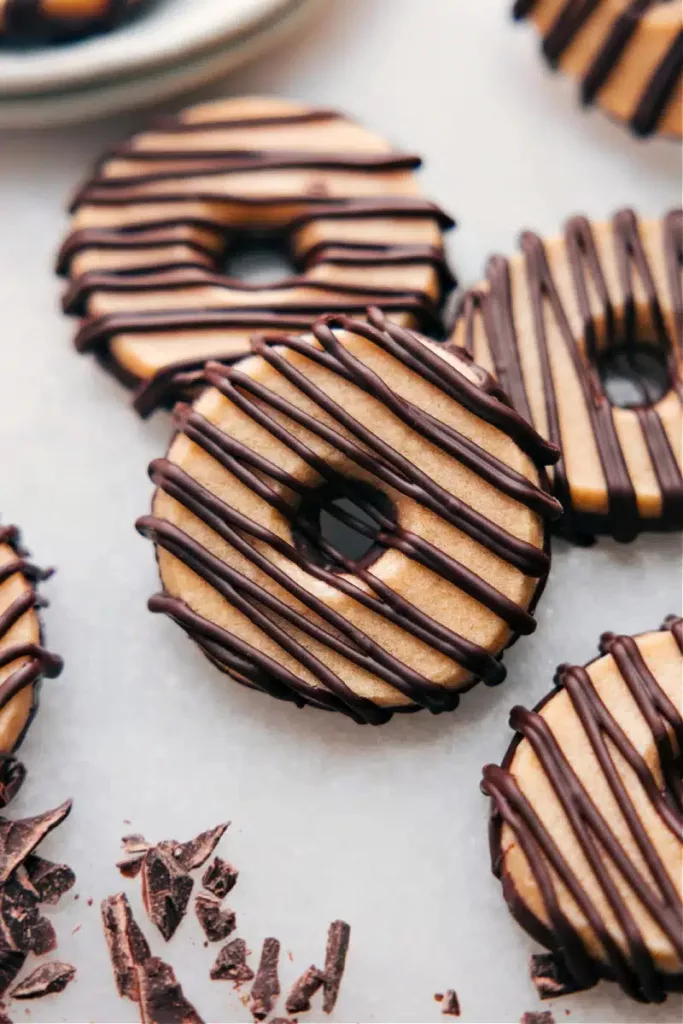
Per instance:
{"type": "Point", "coordinates": [385, 828]}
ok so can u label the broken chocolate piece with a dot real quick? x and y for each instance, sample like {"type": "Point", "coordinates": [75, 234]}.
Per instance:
{"type": "Point", "coordinates": [551, 977]}
{"type": "Point", "coordinates": [338, 938]}
{"type": "Point", "coordinates": [299, 998]}
{"type": "Point", "coordinates": [49, 880]}
{"type": "Point", "coordinates": [537, 1018]}
{"type": "Point", "coordinates": [11, 962]}
{"type": "Point", "coordinates": [128, 947]}
{"type": "Point", "coordinates": [220, 878]}
{"type": "Point", "coordinates": [44, 981]}
{"type": "Point", "coordinates": [266, 987]}
{"type": "Point", "coordinates": [12, 775]}
{"type": "Point", "coordinates": [134, 844]}
{"type": "Point", "coordinates": [231, 963]}
{"type": "Point", "coordinates": [166, 890]}
{"type": "Point", "coordinates": [194, 854]}
{"type": "Point", "coordinates": [216, 924]}
{"type": "Point", "coordinates": [131, 868]}
{"type": "Point", "coordinates": [22, 928]}
{"type": "Point", "coordinates": [19, 838]}
{"type": "Point", "coordinates": [162, 1000]}
{"type": "Point", "coordinates": [450, 1004]}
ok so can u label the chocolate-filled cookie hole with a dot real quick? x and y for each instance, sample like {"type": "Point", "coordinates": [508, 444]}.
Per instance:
{"type": "Point", "coordinates": [634, 377]}
{"type": "Point", "coordinates": [345, 519]}
{"type": "Point", "coordinates": [259, 258]}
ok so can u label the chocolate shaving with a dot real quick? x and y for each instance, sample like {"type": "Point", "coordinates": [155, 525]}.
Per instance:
{"type": "Point", "coordinates": [12, 775]}
{"type": "Point", "coordinates": [161, 997]}
{"type": "Point", "coordinates": [537, 1018]}
{"type": "Point", "coordinates": [194, 854]}
{"type": "Point", "coordinates": [166, 890]}
{"type": "Point", "coordinates": [338, 938]}
{"type": "Point", "coordinates": [49, 880]}
{"type": "Point", "coordinates": [299, 998]}
{"type": "Point", "coordinates": [11, 963]}
{"type": "Point", "coordinates": [44, 981]}
{"type": "Point", "coordinates": [450, 1004]}
{"type": "Point", "coordinates": [220, 878]}
{"type": "Point", "coordinates": [19, 838]}
{"type": "Point", "coordinates": [551, 977]}
{"type": "Point", "coordinates": [266, 987]}
{"type": "Point", "coordinates": [217, 924]}
{"type": "Point", "coordinates": [128, 947]}
{"type": "Point", "coordinates": [231, 963]}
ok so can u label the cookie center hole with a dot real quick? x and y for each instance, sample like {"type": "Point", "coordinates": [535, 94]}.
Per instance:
{"type": "Point", "coordinates": [341, 522]}
{"type": "Point", "coordinates": [259, 258]}
{"type": "Point", "coordinates": [634, 377]}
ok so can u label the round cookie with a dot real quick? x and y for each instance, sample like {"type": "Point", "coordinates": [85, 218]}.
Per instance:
{"type": "Point", "coordinates": [587, 820]}
{"type": "Point", "coordinates": [23, 659]}
{"type": "Point", "coordinates": [449, 476]}
{"type": "Point", "coordinates": [551, 321]}
{"type": "Point", "coordinates": [151, 233]}
{"type": "Point", "coordinates": [57, 20]}
{"type": "Point", "coordinates": [627, 55]}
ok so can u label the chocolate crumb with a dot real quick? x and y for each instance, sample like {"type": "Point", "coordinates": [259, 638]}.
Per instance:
{"type": "Point", "coordinates": [44, 981]}
{"type": "Point", "coordinates": [162, 1000]}
{"type": "Point", "coordinates": [550, 977]}
{"type": "Point", "coordinates": [12, 776]}
{"type": "Point", "coordinates": [90, 902]}
{"type": "Point", "coordinates": [299, 998]}
{"type": "Point", "coordinates": [438, 996]}
{"type": "Point", "coordinates": [49, 880]}
{"type": "Point", "coordinates": [450, 1003]}
{"type": "Point", "coordinates": [220, 878]}
{"type": "Point", "coordinates": [266, 987]}
{"type": "Point", "coordinates": [338, 938]}
{"type": "Point", "coordinates": [128, 947]}
{"type": "Point", "coordinates": [231, 963]}
{"type": "Point", "coordinates": [216, 924]}
{"type": "Point", "coordinates": [537, 1018]}
{"type": "Point", "coordinates": [194, 854]}
{"type": "Point", "coordinates": [19, 838]}
{"type": "Point", "coordinates": [166, 890]}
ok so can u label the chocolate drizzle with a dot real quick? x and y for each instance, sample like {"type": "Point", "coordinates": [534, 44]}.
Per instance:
{"type": "Point", "coordinates": [627, 960]}
{"type": "Point", "coordinates": [192, 245]}
{"type": "Point", "coordinates": [494, 306]}
{"type": "Point", "coordinates": [574, 15]}
{"type": "Point", "coordinates": [366, 450]}
{"type": "Point", "coordinates": [37, 661]}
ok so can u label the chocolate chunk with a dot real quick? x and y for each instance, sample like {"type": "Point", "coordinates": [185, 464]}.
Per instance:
{"type": "Point", "coordinates": [338, 938]}
{"type": "Point", "coordinates": [42, 938]}
{"type": "Point", "coordinates": [21, 926]}
{"type": "Point", "coordinates": [196, 853]}
{"type": "Point", "coordinates": [220, 878]}
{"type": "Point", "coordinates": [161, 997]}
{"type": "Point", "coordinates": [50, 880]}
{"type": "Point", "coordinates": [12, 775]}
{"type": "Point", "coordinates": [11, 962]}
{"type": "Point", "coordinates": [450, 1004]}
{"type": "Point", "coordinates": [266, 987]}
{"type": "Point", "coordinates": [44, 981]}
{"type": "Point", "coordinates": [131, 868]}
{"type": "Point", "coordinates": [128, 947]}
{"type": "Point", "coordinates": [19, 838]}
{"type": "Point", "coordinates": [231, 963]}
{"type": "Point", "coordinates": [166, 890]}
{"type": "Point", "coordinates": [299, 998]}
{"type": "Point", "coordinates": [217, 924]}
{"type": "Point", "coordinates": [537, 1018]}
{"type": "Point", "coordinates": [551, 977]}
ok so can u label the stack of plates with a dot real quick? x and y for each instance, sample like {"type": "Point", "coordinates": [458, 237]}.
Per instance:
{"type": "Point", "coordinates": [177, 45]}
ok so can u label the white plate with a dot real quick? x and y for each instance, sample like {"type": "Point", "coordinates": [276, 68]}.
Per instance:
{"type": "Point", "coordinates": [87, 103]}
{"type": "Point", "coordinates": [171, 31]}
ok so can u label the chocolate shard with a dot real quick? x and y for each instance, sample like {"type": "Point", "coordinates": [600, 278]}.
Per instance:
{"type": "Point", "coordinates": [450, 1004]}
{"type": "Point", "coordinates": [12, 776]}
{"type": "Point", "coordinates": [43, 938]}
{"type": "Point", "coordinates": [134, 844]}
{"type": "Point", "coordinates": [551, 977]}
{"type": "Point", "coordinates": [128, 947]}
{"type": "Point", "coordinates": [19, 838]}
{"type": "Point", "coordinates": [162, 1000]}
{"type": "Point", "coordinates": [231, 963]}
{"type": "Point", "coordinates": [22, 928]}
{"type": "Point", "coordinates": [266, 987]}
{"type": "Point", "coordinates": [216, 924]}
{"type": "Point", "coordinates": [44, 981]}
{"type": "Point", "coordinates": [303, 989]}
{"type": "Point", "coordinates": [49, 880]}
{"type": "Point", "coordinates": [11, 963]}
{"type": "Point", "coordinates": [338, 938]}
{"type": "Point", "coordinates": [220, 878]}
{"type": "Point", "coordinates": [197, 851]}
{"type": "Point", "coordinates": [132, 867]}
{"type": "Point", "coordinates": [166, 890]}
{"type": "Point", "coordinates": [537, 1018]}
